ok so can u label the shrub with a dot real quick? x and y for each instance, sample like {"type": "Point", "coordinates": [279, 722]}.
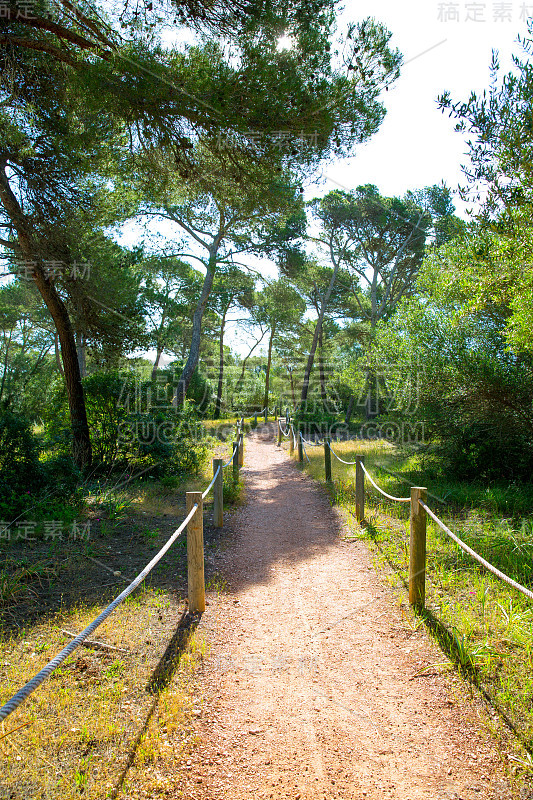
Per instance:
{"type": "Point", "coordinates": [20, 471]}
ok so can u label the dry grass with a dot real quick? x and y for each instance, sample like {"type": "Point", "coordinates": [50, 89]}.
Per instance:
{"type": "Point", "coordinates": [105, 721]}
{"type": "Point", "coordinates": [100, 709]}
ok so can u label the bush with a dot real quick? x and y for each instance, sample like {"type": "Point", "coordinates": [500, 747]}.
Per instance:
{"type": "Point", "coordinates": [491, 447]}
{"type": "Point", "coordinates": [135, 422]}
{"type": "Point", "coordinates": [20, 470]}
{"type": "Point", "coordinates": [62, 473]}
{"type": "Point", "coordinates": [316, 418]}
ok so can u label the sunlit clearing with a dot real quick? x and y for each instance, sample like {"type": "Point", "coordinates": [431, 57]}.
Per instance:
{"type": "Point", "coordinates": [285, 43]}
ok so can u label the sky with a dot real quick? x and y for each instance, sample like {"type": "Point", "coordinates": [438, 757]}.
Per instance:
{"type": "Point", "coordinates": [447, 46]}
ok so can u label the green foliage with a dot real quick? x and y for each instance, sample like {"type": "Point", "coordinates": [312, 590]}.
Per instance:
{"type": "Point", "coordinates": [316, 417]}
{"type": "Point", "coordinates": [134, 421]}
{"type": "Point", "coordinates": [474, 393]}
{"type": "Point", "coordinates": [20, 471]}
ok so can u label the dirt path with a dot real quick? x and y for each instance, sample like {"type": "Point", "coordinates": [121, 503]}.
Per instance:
{"type": "Point", "coordinates": [309, 679]}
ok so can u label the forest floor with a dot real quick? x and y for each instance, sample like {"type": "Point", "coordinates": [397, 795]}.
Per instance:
{"type": "Point", "coordinates": [316, 680]}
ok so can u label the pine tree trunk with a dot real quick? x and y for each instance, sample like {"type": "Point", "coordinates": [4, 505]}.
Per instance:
{"type": "Point", "coordinates": [82, 354]}
{"type": "Point", "coordinates": [218, 402]}
{"type": "Point", "coordinates": [81, 442]}
{"type": "Point", "coordinates": [194, 351]}
{"type": "Point", "coordinates": [269, 362]}
{"type": "Point", "coordinates": [158, 354]}
{"type": "Point", "coordinates": [321, 369]}
{"type": "Point", "coordinates": [318, 330]}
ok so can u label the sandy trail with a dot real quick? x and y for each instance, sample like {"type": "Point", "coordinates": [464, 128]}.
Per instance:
{"type": "Point", "coordinates": [309, 679]}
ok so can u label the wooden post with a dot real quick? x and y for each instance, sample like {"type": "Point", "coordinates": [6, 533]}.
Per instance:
{"type": "Point", "coordinates": [195, 554]}
{"type": "Point", "coordinates": [218, 494]}
{"type": "Point", "coordinates": [279, 432]}
{"type": "Point", "coordinates": [327, 458]}
{"type": "Point", "coordinates": [241, 449]}
{"type": "Point", "coordinates": [417, 548]}
{"type": "Point", "coordinates": [359, 489]}
{"type": "Point", "coordinates": [266, 414]}
{"type": "Point", "coordinates": [291, 441]}
{"type": "Point", "coordinates": [236, 461]}
{"type": "Point", "coordinates": [300, 447]}
{"type": "Point", "coordinates": [255, 419]}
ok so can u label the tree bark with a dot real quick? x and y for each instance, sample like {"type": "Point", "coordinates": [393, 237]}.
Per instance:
{"type": "Point", "coordinates": [269, 362]}
{"type": "Point", "coordinates": [159, 352]}
{"type": "Point", "coordinates": [321, 368]}
{"type": "Point", "coordinates": [218, 402]}
{"type": "Point", "coordinates": [194, 351]}
{"type": "Point", "coordinates": [318, 330]}
{"type": "Point", "coordinates": [58, 356]}
{"type": "Point", "coordinates": [349, 410]}
{"type": "Point", "coordinates": [82, 354]}
{"type": "Point", "coordinates": [81, 442]}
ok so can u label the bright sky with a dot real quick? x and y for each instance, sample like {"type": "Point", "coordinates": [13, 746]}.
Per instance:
{"type": "Point", "coordinates": [446, 46]}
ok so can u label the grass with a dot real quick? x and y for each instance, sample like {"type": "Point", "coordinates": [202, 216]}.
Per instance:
{"type": "Point", "coordinates": [103, 724]}
{"type": "Point", "coordinates": [485, 626]}
{"type": "Point", "coordinates": [96, 714]}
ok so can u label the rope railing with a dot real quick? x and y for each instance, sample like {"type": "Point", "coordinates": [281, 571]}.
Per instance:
{"type": "Point", "coordinates": [495, 571]}
{"type": "Point", "coordinates": [52, 665]}
{"type": "Point", "coordinates": [231, 459]}
{"type": "Point", "coordinates": [303, 448]}
{"type": "Point", "coordinates": [311, 444]}
{"type": "Point", "coordinates": [215, 476]}
{"type": "Point", "coordinates": [14, 702]}
{"type": "Point", "coordinates": [286, 433]}
{"type": "Point", "coordinates": [348, 463]}
{"type": "Point", "coordinates": [380, 490]}
{"type": "Point", "coordinates": [417, 545]}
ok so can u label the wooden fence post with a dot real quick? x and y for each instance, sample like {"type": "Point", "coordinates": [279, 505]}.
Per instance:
{"type": "Point", "coordinates": [417, 548]}
{"type": "Point", "coordinates": [236, 461]}
{"type": "Point", "coordinates": [218, 494]}
{"type": "Point", "coordinates": [279, 432]}
{"type": "Point", "coordinates": [266, 414]}
{"type": "Point", "coordinates": [291, 441]}
{"type": "Point", "coordinates": [359, 489]}
{"type": "Point", "coordinates": [300, 447]}
{"type": "Point", "coordinates": [241, 449]}
{"type": "Point", "coordinates": [255, 419]}
{"type": "Point", "coordinates": [195, 554]}
{"type": "Point", "coordinates": [327, 458]}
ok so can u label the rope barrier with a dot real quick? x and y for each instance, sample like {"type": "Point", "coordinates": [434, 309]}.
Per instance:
{"type": "Point", "coordinates": [475, 555]}
{"type": "Point", "coordinates": [303, 448]}
{"type": "Point", "coordinates": [311, 444]}
{"type": "Point", "coordinates": [215, 476]}
{"type": "Point", "coordinates": [498, 573]}
{"type": "Point", "coordinates": [286, 432]}
{"type": "Point", "coordinates": [372, 481]}
{"type": "Point", "coordinates": [349, 463]}
{"type": "Point", "coordinates": [403, 480]}
{"type": "Point", "coordinates": [52, 665]}
{"type": "Point", "coordinates": [389, 496]}
{"type": "Point", "coordinates": [231, 459]}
